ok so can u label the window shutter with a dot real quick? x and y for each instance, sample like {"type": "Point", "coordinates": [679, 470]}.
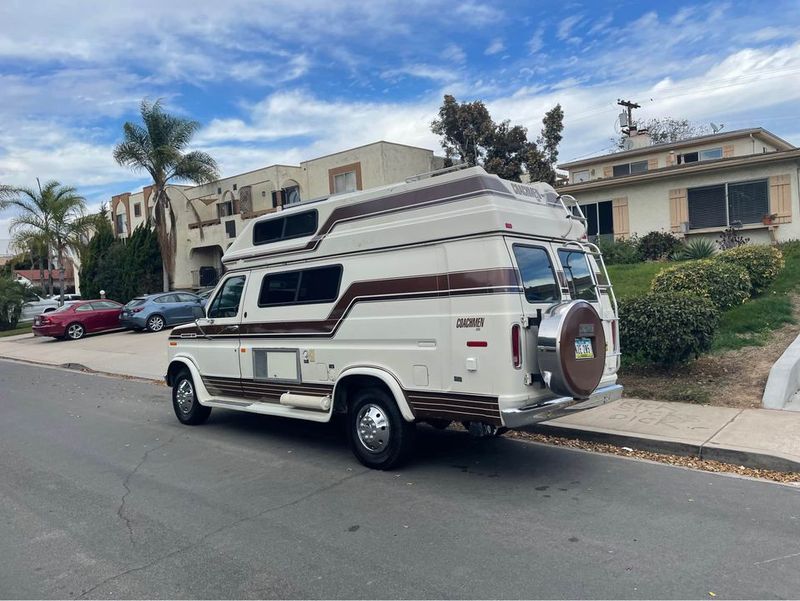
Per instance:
{"type": "Point", "coordinates": [277, 198]}
{"type": "Point", "coordinates": [620, 214]}
{"type": "Point", "coordinates": [727, 151]}
{"type": "Point", "coordinates": [678, 209]}
{"type": "Point", "coordinates": [780, 198]}
{"type": "Point", "coordinates": [707, 207]}
{"type": "Point", "coordinates": [608, 171]}
{"type": "Point", "coordinates": [652, 164]}
{"type": "Point", "coordinates": [748, 202]}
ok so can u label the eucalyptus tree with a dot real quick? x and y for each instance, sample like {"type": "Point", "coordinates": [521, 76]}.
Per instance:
{"type": "Point", "coordinates": [158, 146]}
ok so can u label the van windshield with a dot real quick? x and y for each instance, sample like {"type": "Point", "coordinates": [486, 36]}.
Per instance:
{"type": "Point", "coordinates": [579, 275]}
{"type": "Point", "coordinates": [538, 277]}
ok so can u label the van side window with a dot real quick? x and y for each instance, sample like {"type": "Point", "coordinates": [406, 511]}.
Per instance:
{"type": "Point", "coordinates": [285, 228]}
{"type": "Point", "coordinates": [317, 285]}
{"type": "Point", "coordinates": [578, 273]}
{"type": "Point", "coordinates": [226, 302]}
{"type": "Point", "coordinates": [538, 277]}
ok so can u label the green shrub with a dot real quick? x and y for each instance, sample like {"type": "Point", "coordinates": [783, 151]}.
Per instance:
{"type": "Point", "coordinates": [763, 263]}
{"type": "Point", "coordinates": [697, 249]}
{"type": "Point", "coordinates": [619, 252]}
{"type": "Point", "coordinates": [725, 284]}
{"type": "Point", "coordinates": [666, 328]}
{"type": "Point", "coordinates": [656, 246]}
{"type": "Point", "coordinates": [12, 296]}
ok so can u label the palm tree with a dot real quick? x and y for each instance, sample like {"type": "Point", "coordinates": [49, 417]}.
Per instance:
{"type": "Point", "coordinates": [46, 216]}
{"type": "Point", "coordinates": [34, 244]}
{"type": "Point", "coordinates": [157, 147]}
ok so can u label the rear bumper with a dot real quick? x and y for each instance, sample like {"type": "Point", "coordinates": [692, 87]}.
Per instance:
{"type": "Point", "coordinates": [51, 330]}
{"type": "Point", "coordinates": [558, 407]}
{"type": "Point", "coordinates": [132, 322]}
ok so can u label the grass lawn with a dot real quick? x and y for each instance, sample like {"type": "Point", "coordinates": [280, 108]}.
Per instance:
{"type": "Point", "coordinates": [24, 329]}
{"type": "Point", "coordinates": [749, 324]}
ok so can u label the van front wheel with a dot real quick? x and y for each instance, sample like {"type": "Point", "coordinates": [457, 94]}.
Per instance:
{"type": "Point", "coordinates": [379, 436]}
{"type": "Point", "coordinates": [187, 408]}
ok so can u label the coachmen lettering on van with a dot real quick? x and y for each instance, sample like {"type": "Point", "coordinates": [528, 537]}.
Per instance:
{"type": "Point", "coordinates": [453, 296]}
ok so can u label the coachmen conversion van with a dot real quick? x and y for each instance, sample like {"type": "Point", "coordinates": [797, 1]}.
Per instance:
{"type": "Point", "coordinates": [451, 297]}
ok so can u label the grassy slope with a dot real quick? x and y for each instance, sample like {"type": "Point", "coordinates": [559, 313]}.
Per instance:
{"type": "Point", "coordinates": [24, 329]}
{"type": "Point", "coordinates": [747, 325]}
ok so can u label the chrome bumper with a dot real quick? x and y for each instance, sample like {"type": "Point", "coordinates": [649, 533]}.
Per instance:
{"type": "Point", "coordinates": [558, 407]}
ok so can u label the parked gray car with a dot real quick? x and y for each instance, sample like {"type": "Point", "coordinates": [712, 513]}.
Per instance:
{"type": "Point", "coordinates": [157, 311]}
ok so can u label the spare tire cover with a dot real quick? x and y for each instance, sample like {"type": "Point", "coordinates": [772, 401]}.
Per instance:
{"type": "Point", "coordinates": [571, 349]}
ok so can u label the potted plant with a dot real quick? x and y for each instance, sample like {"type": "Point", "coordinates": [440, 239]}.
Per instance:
{"type": "Point", "coordinates": [769, 219]}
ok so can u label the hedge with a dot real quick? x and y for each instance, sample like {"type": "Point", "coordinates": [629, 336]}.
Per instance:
{"type": "Point", "coordinates": [725, 284]}
{"type": "Point", "coordinates": [763, 264]}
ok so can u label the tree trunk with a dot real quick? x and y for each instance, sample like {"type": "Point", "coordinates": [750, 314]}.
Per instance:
{"type": "Point", "coordinates": [165, 238]}
{"type": "Point", "coordinates": [60, 275]}
{"type": "Point", "coordinates": [49, 272]}
{"type": "Point", "coordinates": [41, 269]}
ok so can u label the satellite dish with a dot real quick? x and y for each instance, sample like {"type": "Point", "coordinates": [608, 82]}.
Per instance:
{"type": "Point", "coordinates": [717, 128]}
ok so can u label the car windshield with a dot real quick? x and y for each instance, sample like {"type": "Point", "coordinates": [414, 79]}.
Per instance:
{"type": "Point", "coordinates": [136, 302]}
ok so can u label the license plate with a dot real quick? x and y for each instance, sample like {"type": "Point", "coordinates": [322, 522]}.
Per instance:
{"type": "Point", "coordinates": [583, 348]}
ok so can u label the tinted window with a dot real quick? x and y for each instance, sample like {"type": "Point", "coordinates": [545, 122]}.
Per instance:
{"type": "Point", "coordinates": [83, 308]}
{"type": "Point", "coordinates": [579, 276]}
{"type": "Point", "coordinates": [135, 303]}
{"type": "Point", "coordinates": [226, 303]}
{"type": "Point", "coordinates": [102, 305]}
{"type": "Point", "coordinates": [318, 285]}
{"type": "Point", "coordinates": [186, 298]}
{"type": "Point", "coordinates": [748, 202]}
{"type": "Point", "coordinates": [538, 278]}
{"type": "Point", "coordinates": [284, 228]}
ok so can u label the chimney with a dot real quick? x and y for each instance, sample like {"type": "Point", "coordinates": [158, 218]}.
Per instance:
{"type": "Point", "coordinates": [638, 138]}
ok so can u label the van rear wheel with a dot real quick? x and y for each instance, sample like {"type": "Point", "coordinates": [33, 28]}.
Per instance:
{"type": "Point", "coordinates": [379, 435]}
{"type": "Point", "coordinates": [187, 408]}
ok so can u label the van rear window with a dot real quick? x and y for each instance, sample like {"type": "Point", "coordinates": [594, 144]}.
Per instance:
{"type": "Point", "coordinates": [538, 277]}
{"type": "Point", "coordinates": [285, 228]}
{"type": "Point", "coordinates": [578, 274]}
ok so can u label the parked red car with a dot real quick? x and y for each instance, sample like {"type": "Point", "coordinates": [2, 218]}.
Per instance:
{"type": "Point", "coordinates": [76, 320]}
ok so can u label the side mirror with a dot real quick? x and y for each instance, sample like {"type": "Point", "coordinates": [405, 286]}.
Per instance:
{"type": "Point", "coordinates": [198, 312]}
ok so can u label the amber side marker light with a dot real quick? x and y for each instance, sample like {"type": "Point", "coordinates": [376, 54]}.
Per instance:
{"type": "Point", "coordinates": [173, 344]}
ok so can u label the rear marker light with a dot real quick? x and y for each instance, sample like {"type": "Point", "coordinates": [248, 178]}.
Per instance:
{"type": "Point", "coordinates": [516, 346]}
{"type": "Point", "coordinates": [481, 343]}
{"type": "Point", "coordinates": [509, 226]}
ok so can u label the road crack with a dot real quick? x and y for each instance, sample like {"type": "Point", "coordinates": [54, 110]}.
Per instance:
{"type": "Point", "coordinates": [216, 531]}
{"type": "Point", "coordinates": [121, 513]}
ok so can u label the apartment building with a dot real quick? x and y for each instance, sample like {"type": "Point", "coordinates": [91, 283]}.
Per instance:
{"type": "Point", "coordinates": [698, 187]}
{"type": "Point", "coordinates": [209, 216]}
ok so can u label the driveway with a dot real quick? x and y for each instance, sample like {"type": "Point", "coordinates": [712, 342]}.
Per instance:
{"type": "Point", "coordinates": [128, 353]}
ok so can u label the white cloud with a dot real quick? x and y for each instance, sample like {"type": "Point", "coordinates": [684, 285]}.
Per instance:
{"type": "Point", "coordinates": [454, 53]}
{"type": "Point", "coordinates": [495, 46]}
{"type": "Point", "coordinates": [536, 43]}
{"type": "Point", "coordinates": [566, 25]}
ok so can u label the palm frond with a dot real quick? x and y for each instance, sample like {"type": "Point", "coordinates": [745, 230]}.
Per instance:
{"type": "Point", "coordinates": [198, 167]}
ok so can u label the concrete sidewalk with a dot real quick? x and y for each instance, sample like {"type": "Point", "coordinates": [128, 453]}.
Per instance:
{"type": "Point", "coordinates": [761, 438]}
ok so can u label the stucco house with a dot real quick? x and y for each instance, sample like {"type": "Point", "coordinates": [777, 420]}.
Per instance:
{"type": "Point", "coordinates": [210, 215]}
{"type": "Point", "coordinates": [746, 178]}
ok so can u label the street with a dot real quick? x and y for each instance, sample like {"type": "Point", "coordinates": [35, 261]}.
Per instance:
{"type": "Point", "coordinates": [104, 494]}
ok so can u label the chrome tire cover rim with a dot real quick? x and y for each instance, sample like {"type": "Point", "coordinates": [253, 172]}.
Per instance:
{"type": "Point", "coordinates": [75, 331]}
{"type": "Point", "coordinates": [372, 427]}
{"type": "Point", "coordinates": [185, 396]}
{"type": "Point", "coordinates": [156, 323]}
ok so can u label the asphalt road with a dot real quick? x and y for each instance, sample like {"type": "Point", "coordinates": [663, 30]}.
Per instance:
{"type": "Point", "coordinates": [104, 494]}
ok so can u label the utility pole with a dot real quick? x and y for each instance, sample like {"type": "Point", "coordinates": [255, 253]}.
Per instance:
{"type": "Point", "coordinates": [629, 105]}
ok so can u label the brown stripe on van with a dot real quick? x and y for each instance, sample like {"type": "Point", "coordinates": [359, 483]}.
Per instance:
{"type": "Point", "coordinates": [485, 281]}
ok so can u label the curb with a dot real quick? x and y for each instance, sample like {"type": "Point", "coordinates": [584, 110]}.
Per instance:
{"type": "Point", "coordinates": [79, 367]}
{"type": "Point", "coordinates": [721, 454]}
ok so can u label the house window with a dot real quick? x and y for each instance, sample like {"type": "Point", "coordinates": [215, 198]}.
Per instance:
{"type": "Point", "coordinates": [230, 229]}
{"type": "Point", "coordinates": [284, 228]}
{"type": "Point", "coordinates": [317, 285]}
{"type": "Point", "coordinates": [137, 210]}
{"type": "Point", "coordinates": [121, 223]}
{"type": "Point", "coordinates": [291, 195]}
{"type": "Point", "coordinates": [630, 168]}
{"type": "Point", "coordinates": [344, 182]}
{"type": "Point", "coordinates": [724, 205]}
{"type": "Point", "coordinates": [703, 155]}
{"type": "Point", "coordinates": [224, 209]}
{"type": "Point", "coordinates": [580, 176]}
{"type": "Point", "coordinates": [599, 218]}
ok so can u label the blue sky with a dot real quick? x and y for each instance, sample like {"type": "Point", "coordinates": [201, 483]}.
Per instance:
{"type": "Point", "coordinates": [284, 81]}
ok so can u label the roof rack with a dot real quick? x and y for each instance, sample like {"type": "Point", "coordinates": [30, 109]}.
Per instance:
{"type": "Point", "coordinates": [419, 176]}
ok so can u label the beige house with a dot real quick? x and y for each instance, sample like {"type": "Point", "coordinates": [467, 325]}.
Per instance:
{"type": "Point", "coordinates": [746, 178]}
{"type": "Point", "coordinates": [211, 215]}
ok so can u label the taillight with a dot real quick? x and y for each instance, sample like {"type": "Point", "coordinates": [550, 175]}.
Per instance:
{"type": "Point", "coordinates": [137, 309]}
{"type": "Point", "coordinates": [516, 346]}
{"type": "Point", "coordinates": [614, 336]}
{"type": "Point", "coordinates": [43, 320]}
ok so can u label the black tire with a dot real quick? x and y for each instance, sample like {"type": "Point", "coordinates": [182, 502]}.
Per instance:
{"type": "Point", "coordinates": [187, 408]}
{"type": "Point", "coordinates": [372, 417]}
{"type": "Point", "coordinates": [156, 323]}
{"type": "Point", "coordinates": [439, 424]}
{"type": "Point", "coordinates": [74, 331]}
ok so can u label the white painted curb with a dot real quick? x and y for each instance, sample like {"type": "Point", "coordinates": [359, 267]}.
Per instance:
{"type": "Point", "coordinates": [784, 380]}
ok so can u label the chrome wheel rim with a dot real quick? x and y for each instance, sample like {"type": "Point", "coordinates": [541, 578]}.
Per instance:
{"type": "Point", "coordinates": [372, 427]}
{"type": "Point", "coordinates": [75, 331]}
{"type": "Point", "coordinates": [156, 323]}
{"type": "Point", "coordinates": [184, 396]}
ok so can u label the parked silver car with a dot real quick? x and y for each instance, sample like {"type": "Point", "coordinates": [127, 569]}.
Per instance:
{"type": "Point", "coordinates": [39, 306]}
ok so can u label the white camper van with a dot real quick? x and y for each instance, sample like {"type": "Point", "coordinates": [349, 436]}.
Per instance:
{"type": "Point", "coordinates": [452, 296]}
